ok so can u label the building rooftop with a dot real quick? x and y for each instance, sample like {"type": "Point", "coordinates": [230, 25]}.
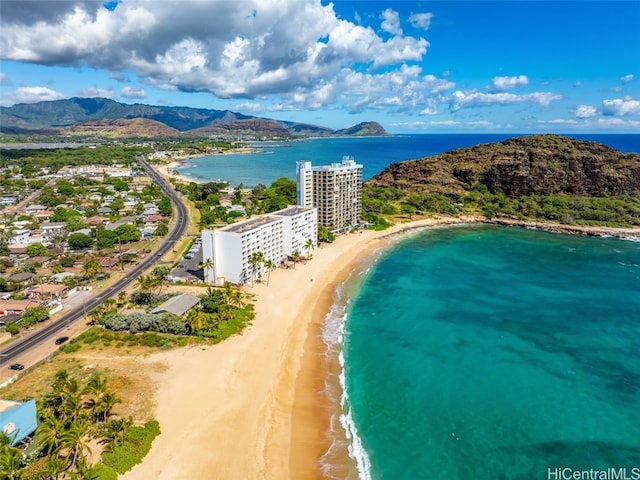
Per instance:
{"type": "Point", "coordinates": [7, 404]}
{"type": "Point", "coordinates": [292, 210]}
{"type": "Point", "coordinates": [250, 224]}
{"type": "Point", "coordinates": [178, 305]}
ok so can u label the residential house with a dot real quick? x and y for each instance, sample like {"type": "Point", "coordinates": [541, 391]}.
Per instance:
{"type": "Point", "coordinates": [47, 291]}
{"type": "Point", "coordinates": [52, 231]}
{"type": "Point", "coordinates": [108, 262]}
{"type": "Point", "coordinates": [9, 307]}
{"type": "Point", "coordinates": [21, 277]}
{"type": "Point", "coordinates": [35, 208]}
{"type": "Point", "coordinates": [59, 277]}
{"type": "Point", "coordinates": [19, 237]}
{"type": "Point", "coordinates": [19, 420]}
{"type": "Point", "coordinates": [96, 220]}
{"type": "Point", "coordinates": [43, 216]}
{"type": "Point", "coordinates": [178, 305]}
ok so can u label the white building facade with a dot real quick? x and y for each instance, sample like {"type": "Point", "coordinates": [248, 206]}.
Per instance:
{"type": "Point", "coordinates": [335, 190]}
{"type": "Point", "coordinates": [275, 235]}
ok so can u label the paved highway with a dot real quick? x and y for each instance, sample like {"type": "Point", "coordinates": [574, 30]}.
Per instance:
{"type": "Point", "coordinates": [50, 331]}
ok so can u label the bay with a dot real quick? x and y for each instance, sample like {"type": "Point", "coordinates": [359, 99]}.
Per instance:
{"type": "Point", "coordinates": [481, 352]}
{"type": "Point", "coordinates": [273, 160]}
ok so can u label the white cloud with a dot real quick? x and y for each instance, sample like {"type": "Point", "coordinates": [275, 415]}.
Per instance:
{"type": "Point", "coordinates": [437, 85]}
{"type": "Point", "coordinates": [626, 79]}
{"type": "Point", "coordinates": [421, 20]}
{"type": "Point", "coordinates": [30, 95]}
{"type": "Point", "coordinates": [391, 22]}
{"type": "Point", "coordinates": [117, 76]}
{"type": "Point", "coordinates": [619, 107]}
{"type": "Point", "coordinates": [96, 92]}
{"type": "Point", "coordinates": [585, 111]}
{"type": "Point", "coordinates": [609, 123]}
{"type": "Point", "coordinates": [618, 123]}
{"type": "Point", "coordinates": [473, 99]}
{"type": "Point", "coordinates": [4, 80]}
{"type": "Point", "coordinates": [243, 49]}
{"type": "Point", "coordinates": [133, 92]}
{"type": "Point", "coordinates": [501, 84]}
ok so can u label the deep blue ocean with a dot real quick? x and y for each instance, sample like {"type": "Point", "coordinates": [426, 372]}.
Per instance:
{"type": "Point", "coordinates": [473, 352]}
{"type": "Point", "coordinates": [274, 160]}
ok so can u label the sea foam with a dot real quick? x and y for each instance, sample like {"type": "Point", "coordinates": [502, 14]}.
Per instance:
{"type": "Point", "coordinates": [333, 337]}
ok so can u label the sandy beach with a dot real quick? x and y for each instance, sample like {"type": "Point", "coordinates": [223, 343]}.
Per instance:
{"type": "Point", "coordinates": [254, 406]}
{"type": "Point", "coordinates": [169, 170]}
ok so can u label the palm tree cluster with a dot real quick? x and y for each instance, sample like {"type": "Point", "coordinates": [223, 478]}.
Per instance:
{"type": "Point", "coordinates": [258, 261]}
{"type": "Point", "coordinates": [71, 416]}
{"type": "Point", "coordinates": [218, 306]}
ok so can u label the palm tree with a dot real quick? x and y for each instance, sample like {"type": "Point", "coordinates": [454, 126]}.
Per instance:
{"type": "Point", "coordinates": [144, 283]}
{"type": "Point", "coordinates": [114, 431]}
{"type": "Point", "coordinates": [196, 320]}
{"type": "Point", "coordinates": [105, 404]}
{"type": "Point", "coordinates": [255, 259]}
{"type": "Point", "coordinates": [90, 268]}
{"type": "Point", "coordinates": [48, 434]}
{"type": "Point", "coordinates": [295, 256]}
{"type": "Point", "coordinates": [207, 265]}
{"type": "Point", "coordinates": [122, 297]}
{"type": "Point", "coordinates": [95, 388]}
{"type": "Point", "coordinates": [73, 442]}
{"type": "Point", "coordinates": [270, 266]}
{"type": "Point", "coordinates": [11, 462]}
{"type": "Point", "coordinates": [54, 465]}
{"type": "Point", "coordinates": [309, 246]}
{"type": "Point", "coordinates": [108, 304]}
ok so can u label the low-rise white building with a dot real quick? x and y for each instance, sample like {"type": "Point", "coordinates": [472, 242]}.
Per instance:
{"type": "Point", "coordinates": [19, 237]}
{"type": "Point", "coordinates": [275, 235]}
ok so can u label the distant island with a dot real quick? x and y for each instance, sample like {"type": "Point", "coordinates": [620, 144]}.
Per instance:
{"type": "Point", "coordinates": [548, 178]}
{"type": "Point", "coordinates": [108, 118]}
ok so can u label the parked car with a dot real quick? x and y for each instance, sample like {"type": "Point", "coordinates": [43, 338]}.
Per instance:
{"type": "Point", "coordinates": [16, 366]}
{"type": "Point", "coordinates": [61, 340]}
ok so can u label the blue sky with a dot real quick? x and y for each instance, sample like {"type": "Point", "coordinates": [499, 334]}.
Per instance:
{"type": "Point", "coordinates": [413, 66]}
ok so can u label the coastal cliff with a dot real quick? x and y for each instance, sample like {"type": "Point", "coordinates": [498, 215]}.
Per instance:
{"type": "Point", "coordinates": [532, 165]}
{"type": "Point", "coordinates": [547, 177]}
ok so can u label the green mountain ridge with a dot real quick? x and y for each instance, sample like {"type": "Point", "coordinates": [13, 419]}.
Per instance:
{"type": "Point", "coordinates": [74, 112]}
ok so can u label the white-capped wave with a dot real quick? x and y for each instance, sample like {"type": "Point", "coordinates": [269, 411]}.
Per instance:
{"type": "Point", "coordinates": [333, 336]}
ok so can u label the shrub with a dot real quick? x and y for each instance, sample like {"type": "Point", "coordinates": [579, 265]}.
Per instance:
{"type": "Point", "coordinates": [12, 328]}
{"type": "Point", "coordinates": [100, 471]}
{"type": "Point", "coordinates": [135, 446]}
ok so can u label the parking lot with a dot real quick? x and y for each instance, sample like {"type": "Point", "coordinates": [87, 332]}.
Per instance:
{"type": "Point", "coordinates": [189, 268]}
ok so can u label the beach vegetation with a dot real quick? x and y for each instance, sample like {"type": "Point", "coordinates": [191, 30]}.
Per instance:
{"type": "Point", "coordinates": [75, 417]}
{"type": "Point", "coordinates": [325, 235]}
{"type": "Point", "coordinates": [134, 446]}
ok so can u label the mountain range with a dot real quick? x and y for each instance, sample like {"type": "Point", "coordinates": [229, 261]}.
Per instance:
{"type": "Point", "coordinates": [103, 116]}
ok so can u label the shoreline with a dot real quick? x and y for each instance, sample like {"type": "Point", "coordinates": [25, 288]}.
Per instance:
{"type": "Point", "coordinates": [169, 169]}
{"type": "Point", "coordinates": [255, 405]}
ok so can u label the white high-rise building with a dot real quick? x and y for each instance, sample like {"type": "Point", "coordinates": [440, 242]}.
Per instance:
{"type": "Point", "coordinates": [335, 190]}
{"type": "Point", "coordinates": [277, 235]}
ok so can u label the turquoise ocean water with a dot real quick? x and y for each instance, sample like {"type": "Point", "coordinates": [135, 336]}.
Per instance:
{"type": "Point", "coordinates": [480, 352]}
{"type": "Point", "coordinates": [473, 352]}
